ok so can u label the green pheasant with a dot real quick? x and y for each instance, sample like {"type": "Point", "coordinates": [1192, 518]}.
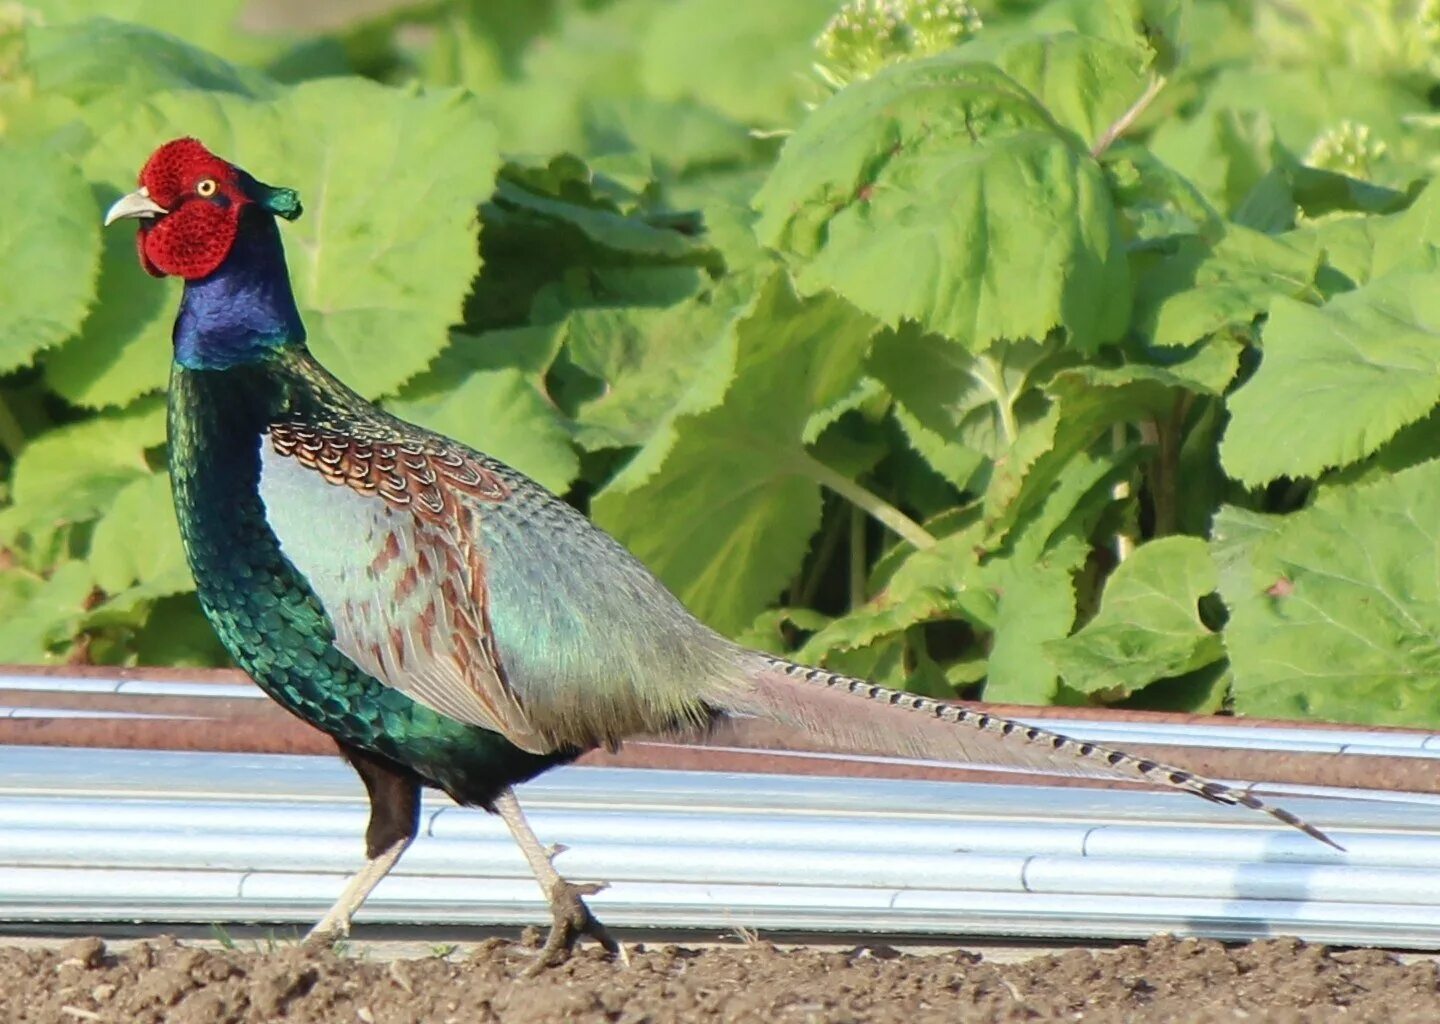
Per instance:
{"type": "Point", "coordinates": [447, 620]}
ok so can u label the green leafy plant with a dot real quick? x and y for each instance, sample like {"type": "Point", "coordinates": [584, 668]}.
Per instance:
{"type": "Point", "coordinates": [1066, 351]}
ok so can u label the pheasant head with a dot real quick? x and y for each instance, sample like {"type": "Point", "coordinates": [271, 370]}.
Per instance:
{"type": "Point", "coordinates": [190, 204]}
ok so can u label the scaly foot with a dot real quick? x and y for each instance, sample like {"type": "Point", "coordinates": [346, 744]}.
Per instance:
{"type": "Point", "coordinates": [572, 917]}
{"type": "Point", "coordinates": [572, 920]}
{"type": "Point", "coordinates": [328, 931]}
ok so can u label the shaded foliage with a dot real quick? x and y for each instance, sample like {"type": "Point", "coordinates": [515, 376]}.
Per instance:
{"type": "Point", "coordinates": [1059, 352]}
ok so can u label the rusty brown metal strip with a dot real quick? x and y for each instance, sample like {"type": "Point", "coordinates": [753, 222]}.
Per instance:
{"type": "Point", "coordinates": [122, 673]}
{"type": "Point", "coordinates": [235, 677]}
{"type": "Point", "coordinates": [238, 724]}
{"type": "Point", "coordinates": [256, 734]}
{"type": "Point", "coordinates": [269, 730]}
{"type": "Point", "coordinates": [139, 703]}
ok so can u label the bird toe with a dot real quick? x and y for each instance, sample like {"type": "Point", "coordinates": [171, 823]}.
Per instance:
{"type": "Point", "coordinates": [572, 921]}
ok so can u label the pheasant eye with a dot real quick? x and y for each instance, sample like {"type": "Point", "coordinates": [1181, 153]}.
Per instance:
{"type": "Point", "coordinates": [205, 188]}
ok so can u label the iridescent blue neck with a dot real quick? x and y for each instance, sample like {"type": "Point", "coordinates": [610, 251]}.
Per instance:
{"type": "Point", "coordinates": [245, 309]}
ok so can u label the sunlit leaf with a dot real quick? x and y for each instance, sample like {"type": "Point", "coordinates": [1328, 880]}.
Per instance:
{"type": "Point", "coordinates": [1148, 627]}
{"type": "Point", "coordinates": [1337, 615]}
{"type": "Point", "coordinates": [1338, 380]}
{"type": "Point", "coordinates": [930, 190]}
{"type": "Point", "coordinates": [49, 247]}
{"type": "Point", "coordinates": [741, 500]}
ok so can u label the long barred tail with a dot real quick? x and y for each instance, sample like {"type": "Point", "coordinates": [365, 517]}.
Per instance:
{"type": "Point", "coordinates": [868, 718]}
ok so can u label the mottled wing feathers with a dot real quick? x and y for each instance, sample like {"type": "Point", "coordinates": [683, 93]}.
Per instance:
{"type": "Point", "coordinates": [407, 475]}
{"type": "Point", "coordinates": [386, 535]}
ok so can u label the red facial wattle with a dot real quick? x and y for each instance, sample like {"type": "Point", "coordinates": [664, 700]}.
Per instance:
{"type": "Point", "coordinates": [203, 200]}
{"type": "Point", "coordinates": [191, 241]}
{"type": "Point", "coordinates": [141, 232]}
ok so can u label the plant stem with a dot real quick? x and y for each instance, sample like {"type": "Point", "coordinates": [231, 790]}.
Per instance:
{"type": "Point", "coordinates": [868, 501]}
{"type": "Point", "coordinates": [1126, 120]}
{"type": "Point", "coordinates": [1165, 472]}
{"type": "Point", "coordinates": [992, 380]}
{"type": "Point", "coordinates": [858, 567]}
{"type": "Point", "coordinates": [1008, 423]}
{"type": "Point", "coordinates": [1124, 537]}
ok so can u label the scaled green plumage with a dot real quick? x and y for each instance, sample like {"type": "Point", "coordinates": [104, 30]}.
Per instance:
{"type": "Point", "coordinates": [265, 613]}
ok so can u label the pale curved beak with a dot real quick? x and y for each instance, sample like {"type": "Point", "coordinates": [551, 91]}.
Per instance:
{"type": "Point", "coordinates": [136, 204]}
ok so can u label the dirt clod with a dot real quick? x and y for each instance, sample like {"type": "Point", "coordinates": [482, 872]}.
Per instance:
{"type": "Point", "coordinates": [1164, 980]}
{"type": "Point", "coordinates": [87, 952]}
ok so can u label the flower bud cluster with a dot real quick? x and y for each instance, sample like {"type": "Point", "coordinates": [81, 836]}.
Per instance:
{"type": "Point", "coordinates": [866, 35]}
{"type": "Point", "coordinates": [1350, 148]}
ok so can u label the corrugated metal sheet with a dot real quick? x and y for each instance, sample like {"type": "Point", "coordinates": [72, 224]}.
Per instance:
{"type": "Point", "coordinates": [135, 835]}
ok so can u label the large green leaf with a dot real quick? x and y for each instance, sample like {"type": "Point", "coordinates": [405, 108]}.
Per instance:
{"type": "Point", "coordinates": [1196, 289]}
{"type": "Point", "coordinates": [1034, 606]}
{"type": "Point", "coordinates": [941, 191]}
{"type": "Point", "coordinates": [936, 583]}
{"type": "Point", "coordinates": [1155, 28]}
{"type": "Point", "coordinates": [1071, 506]}
{"type": "Point", "coordinates": [1147, 378]}
{"type": "Point", "coordinates": [1235, 535]}
{"type": "Point", "coordinates": [1022, 602]}
{"type": "Point", "coordinates": [383, 257]}
{"type": "Point", "coordinates": [565, 191]}
{"type": "Point", "coordinates": [39, 616]}
{"type": "Point", "coordinates": [1338, 380]}
{"type": "Point", "coordinates": [1148, 627]}
{"type": "Point", "coordinates": [214, 25]}
{"type": "Point", "coordinates": [656, 364]}
{"type": "Point", "coordinates": [954, 462]}
{"type": "Point", "coordinates": [103, 65]}
{"type": "Point", "coordinates": [726, 516]}
{"type": "Point", "coordinates": [1339, 614]}
{"type": "Point", "coordinates": [49, 247]}
{"type": "Point", "coordinates": [1086, 401]}
{"type": "Point", "coordinates": [747, 58]}
{"type": "Point", "coordinates": [1084, 81]}
{"type": "Point", "coordinates": [137, 540]}
{"type": "Point", "coordinates": [557, 236]}
{"type": "Point", "coordinates": [980, 401]}
{"type": "Point", "coordinates": [1160, 207]}
{"type": "Point", "coordinates": [1362, 249]}
{"type": "Point", "coordinates": [569, 77]}
{"type": "Point", "coordinates": [1226, 153]}
{"type": "Point", "coordinates": [123, 348]}
{"type": "Point", "coordinates": [1016, 483]}
{"type": "Point", "coordinates": [73, 472]}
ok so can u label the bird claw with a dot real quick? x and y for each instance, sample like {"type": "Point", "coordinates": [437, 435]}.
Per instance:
{"type": "Point", "coordinates": [324, 938]}
{"type": "Point", "coordinates": [573, 919]}
{"type": "Point", "coordinates": [327, 931]}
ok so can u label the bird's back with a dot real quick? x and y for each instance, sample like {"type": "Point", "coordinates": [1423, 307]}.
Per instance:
{"type": "Point", "coordinates": [592, 641]}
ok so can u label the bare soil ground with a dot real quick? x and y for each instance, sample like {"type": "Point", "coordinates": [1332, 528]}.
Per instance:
{"type": "Point", "coordinates": [1169, 980]}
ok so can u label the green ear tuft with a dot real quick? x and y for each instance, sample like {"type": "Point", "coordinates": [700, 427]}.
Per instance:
{"type": "Point", "coordinates": [282, 202]}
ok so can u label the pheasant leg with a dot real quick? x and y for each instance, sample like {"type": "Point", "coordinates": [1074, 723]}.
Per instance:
{"type": "Point", "coordinates": [336, 922]}
{"type": "Point", "coordinates": [394, 820]}
{"type": "Point", "coordinates": [572, 918]}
